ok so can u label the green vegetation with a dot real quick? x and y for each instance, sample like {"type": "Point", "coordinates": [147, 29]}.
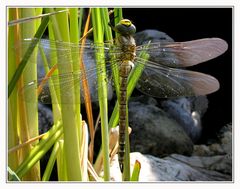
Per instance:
{"type": "Point", "coordinates": [68, 135]}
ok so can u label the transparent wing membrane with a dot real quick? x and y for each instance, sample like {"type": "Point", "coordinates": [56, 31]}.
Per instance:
{"type": "Point", "coordinates": [65, 84]}
{"type": "Point", "coordinates": [183, 54]}
{"type": "Point", "coordinates": [56, 53]}
{"type": "Point", "coordinates": [165, 82]}
{"type": "Point", "coordinates": [160, 78]}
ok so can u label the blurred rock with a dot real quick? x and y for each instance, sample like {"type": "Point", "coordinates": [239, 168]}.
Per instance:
{"type": "Point", "coordinates": [154, 36]}
{"type": "Point", "coordinates": [45, 118]}
{"type": "Point", "coordinates": [222, 149]}
{"type": "Point", "coordinates": [199, 104]}
{"type": "Point", "coordinates": [45, 122]}
{"type": "Point", "coordinates": [153, 132]}
{"type": "Point", "coordinates": [188, 113]}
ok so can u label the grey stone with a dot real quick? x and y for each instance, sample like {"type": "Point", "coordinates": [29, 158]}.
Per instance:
{"type": "Point", "coordinates": [45, 118]}
{"type": "Point", "coordinates": [173, 168]}
{"type": "Point", "coordinates": [218, 163]}
{"type": "Point", "coordinates": [145, 36]}
{"type": "Point", "coordinates": [187, 112]}
{"type": "Point", "coordinates": [222, 152]}
{"type": "Point", "coordinates": [153, 132]}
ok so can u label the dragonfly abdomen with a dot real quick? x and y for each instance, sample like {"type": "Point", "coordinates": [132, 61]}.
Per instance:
{"type": "Point", "coordinates": [125, 69]}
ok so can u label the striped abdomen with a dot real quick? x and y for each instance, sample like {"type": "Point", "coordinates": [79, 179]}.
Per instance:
{"type": "Point", "coordinates": [125, 69]}
{"type": "Point", "coordinates": [127, 56]}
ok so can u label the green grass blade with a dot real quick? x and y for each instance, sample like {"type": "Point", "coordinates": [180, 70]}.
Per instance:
{"type": "Point", "coordinates": [13, 136]}
{"type": "Point", "coordinates": [107, 30]}
{"type": "Point", "coordinates": [126, 171]}
{"type": "Point", "coordinates": [109, 39]}
{"type": "Point", "coordinates": [40, 149]}
{"type": "Point", "coordinates": [28, 111]}
{"type": "Point", "coordinates": [69, 115]}
{"type": "Point", "coordinates": [27, 55]}
{"type": "Point", "coordinates": [80, 21]}
{"type": "Point", "coordinates": [13, 175]}
{"type": "Point", "coordinates": [56, 107]}
{"type": "Point", "coordinates": [61, 163]}
{"type": "Point", "coordinates": [50, 164]}
{"type": "Point", "coordinates": [74, 38]}
{"type": "Point", "coordinates": [102, 92]}
{"type": "Point", "coordinates": [136, 171]}
{"type": "Point", "coordinates": [73, 19]}
{"type": "Point", "coordinates": [117, 17]}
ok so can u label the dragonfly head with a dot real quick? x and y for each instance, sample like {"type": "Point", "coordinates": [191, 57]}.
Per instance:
{"type": "Point", "coordinates": [125, 27]}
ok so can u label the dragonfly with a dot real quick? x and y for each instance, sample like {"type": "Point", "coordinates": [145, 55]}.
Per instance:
{"type": "Point", "coordinates": [162, 79]}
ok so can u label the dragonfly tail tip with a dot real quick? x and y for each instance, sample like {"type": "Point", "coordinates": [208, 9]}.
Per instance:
{"type": "Point", "coordinates": [121, 167]}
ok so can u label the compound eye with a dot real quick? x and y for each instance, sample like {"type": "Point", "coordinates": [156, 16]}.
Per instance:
{"type": "Point", "coordinates": [125, 27]}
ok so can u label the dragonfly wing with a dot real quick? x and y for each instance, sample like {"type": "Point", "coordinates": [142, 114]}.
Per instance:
{"type": "Point", "coordinates": [47, 93]}
{"type": "Point", "coordinates": [165, 82]}
{"type": "Point", "coordinates": [54, 53]}
{"type": "Point", "coordinates": [183, 54]}
{"type": "Point", "coordinates": [66, 47]}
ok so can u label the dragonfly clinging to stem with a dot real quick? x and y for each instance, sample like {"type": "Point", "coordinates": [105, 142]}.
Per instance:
{"type": "Point", "coordinates": [166, 81]}
{"type": "Point", "coordinates": [158, 79]}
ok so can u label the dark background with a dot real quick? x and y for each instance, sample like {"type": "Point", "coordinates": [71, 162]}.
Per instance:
{"type": "Point", "coordinates": [184, 24]}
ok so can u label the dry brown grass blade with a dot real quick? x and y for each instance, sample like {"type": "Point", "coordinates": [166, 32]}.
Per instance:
{"type": "Point", "coordinates": [92, 173]}
{"type": "Point", "coordinates": [30, 141]}
{"type": "Point", "coordinates": [113, 141]}
{"type": "Point", "coordinates": [87, 97]}
{"type": "Point", "coordinates": [23, 20]}
{"type": "Point", "coordinates": [113, 148]}
{"type": "Point", "coordinates": [45, 79]}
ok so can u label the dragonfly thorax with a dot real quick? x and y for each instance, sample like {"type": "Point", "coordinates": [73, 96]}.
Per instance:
{"type": "Point", "coordinates": [128, 47]}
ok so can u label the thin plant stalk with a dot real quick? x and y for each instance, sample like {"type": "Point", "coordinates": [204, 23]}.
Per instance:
{"type": "Point", "coordinates": [86, 92]}
{"type": "Point", "coordinates": [28, 113]}
{"type": "Point", "coordinates": [21, 66]}
{"type": "Point", "coordinates": [26, 120]}
{"type": "Point", "coordinates": [102, 92]}
{"type": "Point", "coordinates": [40, 149]}
{"type": "Point", "coordinates": [109, 39]}
{"type": "Point", "coordinates": [136, 171]}
{"type": "Point", "coordinates": [84, 150]}
{"type": "Point", "coordinates": [61, 163]}
{"type": "Point", "coordinates": [50, 164]}
{"type": "Point", "coordinates": [56, 107]}
{"type": "Point", "coordinates": [13, 159]}
{"type": "Point", "coordinates": [70, 125]}
{"type": "Point", "coordinates": [74, 38]}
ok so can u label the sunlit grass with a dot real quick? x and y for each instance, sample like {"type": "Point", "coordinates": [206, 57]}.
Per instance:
{"type": "Point", "coordinates": [68, 136]}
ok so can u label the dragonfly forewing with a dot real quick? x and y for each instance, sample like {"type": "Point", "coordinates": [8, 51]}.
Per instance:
{"type": "Point", "coordinates": [55, 53]}
{"type": "Point", "coordinates": [158, 78]}
{"type": "Point", "coordinates": [53, 82]}
{"type": "Point", "coordinates": [183, 54]}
